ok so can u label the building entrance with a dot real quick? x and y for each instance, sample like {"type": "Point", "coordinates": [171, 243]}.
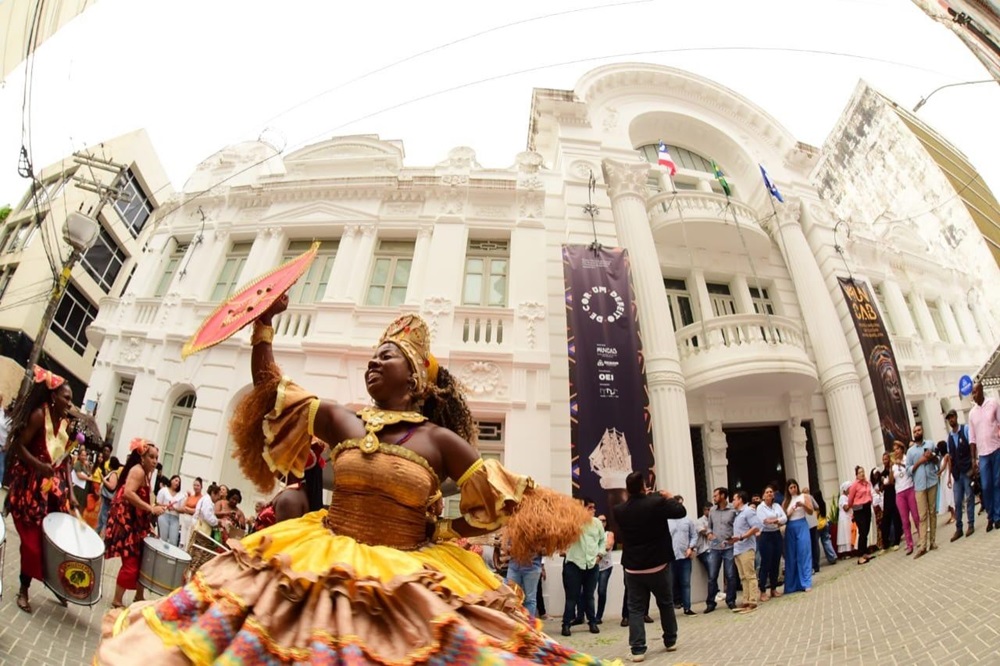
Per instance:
{"type": "Point", "coordinates": [755, 458]}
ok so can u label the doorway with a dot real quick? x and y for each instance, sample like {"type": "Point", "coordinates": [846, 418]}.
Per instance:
{"type": "Point", "coordinates": [755, 458]}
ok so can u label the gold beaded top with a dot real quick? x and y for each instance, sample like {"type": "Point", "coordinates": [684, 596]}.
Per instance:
{"type": "Point", "coordinates": [375, 419]}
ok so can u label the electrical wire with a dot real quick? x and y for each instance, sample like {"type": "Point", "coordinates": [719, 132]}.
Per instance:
{"type": "Point", "coordinates": [445, 45]}
{"type": "Point", "coordinates": [752, 49]}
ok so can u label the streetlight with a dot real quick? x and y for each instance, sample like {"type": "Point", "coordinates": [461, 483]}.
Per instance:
{"type": "Point", "coordinates": [923, 100]}
{"type": "Point", "coordinates": [80, 231]}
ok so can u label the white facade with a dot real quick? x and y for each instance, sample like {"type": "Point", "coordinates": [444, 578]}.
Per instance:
{"type": "Point", "coordinates": [748, 343]}
{"type": "Point", "coordinates": [32, 237]}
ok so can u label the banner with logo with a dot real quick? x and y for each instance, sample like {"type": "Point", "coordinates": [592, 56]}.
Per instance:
{"type": "Point", "coordinates": [609, 407]}
{"type": "Point", "coordinates": [893, 410]}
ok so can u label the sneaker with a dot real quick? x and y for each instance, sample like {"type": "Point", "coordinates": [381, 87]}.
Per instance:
{"type": "Point", "coordinates": [709, 609]}
{"type": "Point", "coordinates": [720, 596]}
{"type": "Point", "coordinates": [688, 611]}
{"type": "Point", "coordinates": [732, 607]}
{"type": "Point", "coordinates": [895, 548]}
{"type": "Point", "coordinates": [566, 631]}
{"type": "Point", "coordinates": [969, 532]}
{"type": "Point", "coordinates": [748, 609]}
{"type": "Point", "coordinates": [639, 657]}
{"type": "Point", "coordinates": [957, 535]}
{"type": "Point", "coordinates": [594, 629]}
{"type": "Point", "coordinates": [670, 647]}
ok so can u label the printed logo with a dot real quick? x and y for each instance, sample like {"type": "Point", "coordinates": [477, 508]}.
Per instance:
{"type": "Point", "coordinates": [77, 579]}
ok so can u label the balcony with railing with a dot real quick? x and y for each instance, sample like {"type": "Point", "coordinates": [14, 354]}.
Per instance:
{"type": "Point", "coordinates": [745, 353]}
{"type": "Point", "coordinates": [485, 330]}
{"type": "Point", "coordinates": [705, 219]}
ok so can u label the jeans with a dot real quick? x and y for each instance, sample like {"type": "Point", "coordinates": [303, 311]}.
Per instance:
{"type": "Point", "coordinates": [828, 549]}
{"type": "Point", "coordinates": [770, 545]}
{"type": "Point", "coordinates": [927, 508]}
{"type": "Point", "coordinates": [3, 461]}
{"type": "Point", "coordinates": [906, 502]}
{"type": "Point", "coordinates": [814, 540]}
{"type": "Point", "coordinates": [680, 574]}
{"type": "Point", "coordinates": [640, 586]}
{"type": "Point", "coordinates": [169, 525]}
{"type": "Point", "coordinates": [527, 577]}
{"type": "Point", "coordinates": [962, 485]}
{"type": "Point", "coordinates": [989, 477]}
{"type": "Point", "coordinates": [603, 576]}
{"type": "Point", "coordinates": [102, 519]}
{"type": "Point", "coordinates": [892, 526]}
{"type": "Point", "coordinates": [716, 558]}
{"type": "Point", "coordinates": [575, 582]}
{"type": "Point", "coordinates": [624, 601]}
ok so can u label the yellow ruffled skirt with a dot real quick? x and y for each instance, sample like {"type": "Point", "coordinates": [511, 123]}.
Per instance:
{"type": "Point", "coordinates": [295, 593]}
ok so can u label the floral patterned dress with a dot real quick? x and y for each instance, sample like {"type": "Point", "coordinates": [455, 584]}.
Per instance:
{"type": "Point", "coordinates": [127, 525]}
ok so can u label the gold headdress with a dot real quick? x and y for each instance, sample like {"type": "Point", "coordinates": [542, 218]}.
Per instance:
{"type": "Point", "coordinates": [410, 333]}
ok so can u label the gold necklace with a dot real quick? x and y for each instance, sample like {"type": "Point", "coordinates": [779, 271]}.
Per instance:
{"type": "Point", "coordinates": [375, 419]}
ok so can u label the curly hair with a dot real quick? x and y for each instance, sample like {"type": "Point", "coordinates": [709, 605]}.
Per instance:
{"type": "Point", "coordinates": [38, 395]}
{"type": "Point", "coordinates": [445, 406]}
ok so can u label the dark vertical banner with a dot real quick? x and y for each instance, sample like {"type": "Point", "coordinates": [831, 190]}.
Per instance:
{"type": "Point", "coordinates": [893, 412]}
{"type": "Point", "coordinates": [609, 406]}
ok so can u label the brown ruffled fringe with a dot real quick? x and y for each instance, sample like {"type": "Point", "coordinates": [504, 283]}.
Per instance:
{"type": "Point", "coordinates": [247, 430]}
{"type": "Point", "coordinates": [544, 522]}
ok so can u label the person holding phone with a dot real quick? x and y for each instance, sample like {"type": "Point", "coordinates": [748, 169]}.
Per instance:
{"type": "Point", "coordinates": [859, 502]}
{"type": "Point", "coordinates": [798, 549]}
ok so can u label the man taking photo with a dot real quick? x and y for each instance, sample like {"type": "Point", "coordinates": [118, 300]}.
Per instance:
{"type": "Point", "coordinates": [647, 551]}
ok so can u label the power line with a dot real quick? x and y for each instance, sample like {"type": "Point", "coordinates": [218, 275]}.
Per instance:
{"type": "Point", "coordinates": [489, 79]}
{"type": "Point", "coordinates": [445, 45]}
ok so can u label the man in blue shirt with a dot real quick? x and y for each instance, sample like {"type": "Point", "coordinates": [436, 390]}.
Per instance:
{"type": "Point", "coordinates": [961, 454]}
{"type": "Point", "coordinates": [746, 527]}
{"type": "Point", "coordinates": [922, 464]}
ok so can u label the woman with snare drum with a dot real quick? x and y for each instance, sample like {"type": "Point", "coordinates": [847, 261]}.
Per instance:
{"type": "Point", "coordinates": [131, 517]}
{"type": "Point", "coordinates": [38, 436]}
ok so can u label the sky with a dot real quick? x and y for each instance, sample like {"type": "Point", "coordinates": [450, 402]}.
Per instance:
{"type": "Point", "coordinates": [202, 75]}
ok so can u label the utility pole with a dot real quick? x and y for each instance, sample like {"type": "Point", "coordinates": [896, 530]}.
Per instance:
{"type": "Point", "coordinates": [76, 219]}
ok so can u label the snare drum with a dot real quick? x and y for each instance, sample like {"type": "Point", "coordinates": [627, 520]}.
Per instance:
{"type": "Point", "coordinates": [73, 556]}
{"type": "Point", "coordinates": [163, 566]}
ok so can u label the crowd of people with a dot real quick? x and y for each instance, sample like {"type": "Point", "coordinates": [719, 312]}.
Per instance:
{"type": "Point", "coordinates": [764, 545]}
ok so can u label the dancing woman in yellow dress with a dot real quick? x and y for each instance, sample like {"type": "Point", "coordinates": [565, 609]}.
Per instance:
{"type": "Point", "coordinates": [376, 578]}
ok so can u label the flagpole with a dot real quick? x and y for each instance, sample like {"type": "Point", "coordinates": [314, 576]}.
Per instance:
{"type": "Point", "coordinates": [746, 249]}
{"type": "Point", "coordinates": [690, 251]}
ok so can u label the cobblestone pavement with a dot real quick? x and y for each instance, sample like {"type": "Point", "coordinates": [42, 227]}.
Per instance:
{"type": "Point", "coordinates": [941, 609]}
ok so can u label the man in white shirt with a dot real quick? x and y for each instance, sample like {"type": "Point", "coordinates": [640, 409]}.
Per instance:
{"type": "Point", "coordinates": [984, 435]}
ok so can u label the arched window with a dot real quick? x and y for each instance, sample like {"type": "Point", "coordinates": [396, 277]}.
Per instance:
{"type": "Point", "coordinates": [683, 158]}
{"type": "Point", "coordinates": [177, 432]}
{"type": "Point", "coordinates": [687, 161]}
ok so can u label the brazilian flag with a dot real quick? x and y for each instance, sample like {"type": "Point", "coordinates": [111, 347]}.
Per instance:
{"type": "Point", "coordinates": [721, 177]}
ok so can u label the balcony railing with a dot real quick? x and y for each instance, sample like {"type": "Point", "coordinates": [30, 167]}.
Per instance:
{"type": "Point", "coordinates": [706, 219]}
{"type": "Point", "coordinates": [483, 329]}
{"type": "Point", "coordinates": [294, 323]}
{"type": "Point", "coordinates": [736, 347]}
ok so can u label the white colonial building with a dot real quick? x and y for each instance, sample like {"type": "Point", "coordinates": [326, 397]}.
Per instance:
{"type": "Point", "coordinates": [753, 365]}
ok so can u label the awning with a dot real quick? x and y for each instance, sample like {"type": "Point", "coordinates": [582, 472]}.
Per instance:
{"type": "Point", "coordinates": [989, 375]}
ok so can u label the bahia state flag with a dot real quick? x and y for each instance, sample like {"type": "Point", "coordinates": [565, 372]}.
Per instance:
{"type": "Point", "coordinates": [721, 177]}
{"type": "Point", "coordinates": [666, 160]}
{"type": "Point", "coordinates": [771, 187]}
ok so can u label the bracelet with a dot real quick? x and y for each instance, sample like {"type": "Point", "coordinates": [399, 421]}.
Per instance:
{"type": "Point", "coordinates": [443, 531]}
{"type": "Point", "coordinates": [261, 333]}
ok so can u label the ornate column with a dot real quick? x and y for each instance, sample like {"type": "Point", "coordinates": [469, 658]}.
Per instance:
{"type": "Point", "coordinates": [364, 244]}
{"type": "Point", "coordinates": [667, 401]}
{"type": "Point", "coordinates": [950, 323]}
{"type": "Point", "coordinates": [800, 457]}
{"type": "Point", "coordinates": [845, 404]}
{"type": "Point", "coordinates": [421, 256]}
{"type": "Point", "coordinates": [898, 312]}
{"type": "Point", "coordinates": [968, 325]}
{"type": "Point", "coordinates": [347, 256]}
{"type": "Point", "coordinates": [924, 320]}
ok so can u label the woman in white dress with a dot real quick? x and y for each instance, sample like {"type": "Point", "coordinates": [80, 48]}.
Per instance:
{"type": "Point", "coordinates": [845, 523]}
